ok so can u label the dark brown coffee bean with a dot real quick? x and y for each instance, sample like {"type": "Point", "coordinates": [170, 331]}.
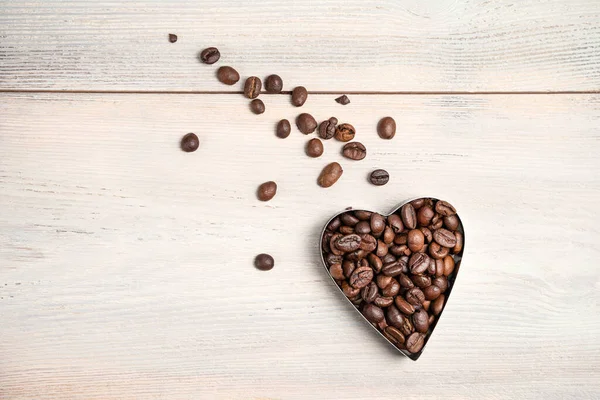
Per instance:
{"type": "Point", "coordinates": [325, 241]}
{"type": "Point", "coordinates": [336, 271]}
{"type": "Point", "coordinates": [388, 235]}
{"type": "Point", "coordinates": [451, 222]}
{"type": "Point", "coordinates": [273, 84]}
{"type": "Point", "coordinates": [348, 267]}
{"type": "Point", "coordinates": [210, 55]}
{"type": "Point", "coordinates": [346, 230]}
{"type": "Point", "coordinates": [418, 203]}
{"type": "Point", "coordinates": [414, 343]}
{"type": "Point", "coordinates": [190, 143]}
{"type": "Point", "coordinates": [373, 313]}
{"type": "Point", "coordinates": [421, 281]}
{"type": "Point", "coordinates": [354, 151]}
{"type": "Point", "coordinates": [436, 251]}
{"type": "Point", "coordinates": [432, 292]}
{"type": "Point", "coordinates": [335, 224]}
{"type": "Point", "coordinates": [388, 258]}
{"type": "Point", "coordinates": [459, 243]}
{"type": "Point", "coordinates": [426, 304]}
{"type": "Point", "coordinates": [416, 240]}
{"type": "Point", "coordinates": [425, 215]}
{"type": "Point", "coordinates": [382, 249]}
{"type": "Point", "coordinates": [404, 306]}
{"type": "Point", "coordinates": [439, 267]}
{"type": "Point", "coordinates": [264, 262]}
{"type": "Point", "coordinates": [444, 237]}
{"type": "Point", "coordinates": [252, 87]}
{"type": "Point", "coordinates": [299, 96]}
{"type": "Point", "coordinates": [395, 222]}
{"type": "Point", "coordinates": [370, 292]}
{"type": "Point", "coordinates": [437, 222]}
{"type": "Point", "coordinates": [172, 38]}
{"type": "Point", "coordinates": [363, 227]}
{"type": "Point", "coordinates": [331, 259]}
{"type": "Point", "coordinates": [404, 260]}
{"type": "Point", "coordinates": [392, 289]}
{"type": "Point", "coordinates": [368, 243]}
{"type": "Point", "coordinates": [257, 106]}
{"type": "Point", "coordinates": [345, 132]}
{"type": "Point", "coordinates": [392, 269]}
{"type": "Point", "coordinates": [349, 291]}
{"type": "Point", "coordinates": [363, 215]}
{"type": "Point", "coordinates": [343, 100]}
{"type": "Point", "coordinates": [361, 277]}
{"type": "Point", "coordinates": [427, 234]}
{"type": "Point", "coordinates": [379, 177]}
{"type": "Point", "coordinates": [441, 282]}
{"type": "Point", "coordinates": [349, 219]}
{"type": "Point", "coordinates": [348, 243]}
{"type": "Point", "coordinates": [386, 128]}
{"type": "Point", "coordinates": [394, 336]}
{"type": "Point", "coordinates": [420, 320]}
{"type": "Point", "coordinates": [314, 148]}
{"type": "Point", "coordinates": [418, 263]}
{"type": "Point", "coordinates": [448, 265]}
{"type": "Point", "coordinates": [283, 129]}
{"type": "Point", "coordinates": [357, 255]}
{"type": "Point", "coordinates": [267, 191]}
{"type": "Point", "coordinates": [431, 268]}
{"type": "Point", "coordinates": [401, 238]}
{"type": "Point", "coordinates": [431, 319]}
{"type": "Point", "coordinates": [306, 123]}
{"type": "Point", "coordinates": [383, 302]}
{"type": "Point", "coordinates": [394, 317]}
{"type": "Point", "coordinates": [377, 224]}
{"type": "Point", "coordinates": [330, 175]}
{"type": "Point", "coordinates": [438, 305]}
{"type": "Point", "coordinates": [228, 75]}
{"type": "Point", "coordinates": [445, 208]}
{"type": "Point", "coordinates": [400, 250]}
{"type": "Point", "coordinates": [409, 216]}
{"type": "Point", "coordinates": [405, 281]}
{"type": "Point", "coordinates": [327, 128]}
{"type": "Point", "coordinates": [375, 262]}
{"type": "Point", "coordinates": [415, 296]}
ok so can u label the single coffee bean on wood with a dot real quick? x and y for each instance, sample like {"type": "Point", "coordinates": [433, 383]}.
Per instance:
{"type": "Point", "coordinates": [252, 87]}
{"type": "Point", "coordinates": [210, 55]}
{"type": "Point", "coordinates": [299, 96]}
{"type": "Point", "coordinates": [343, 100]}
{"type": "Point", "coordinates": [267, 191]}
{"type": "Point", "coordinates": [264, 262]}
{"type": "Point", "coordinates": [257, 106]}
{"type": "Point", "coordinates": [345, 132]}
{"type": "Point", "coordinates": [314, 148]}
{"type": "Point", "coordinates": [306, 123]}
{"type": "Point", "coordinates": [327, 128]}
{"type": "Point", "coordinates": [228, 75]}
{"type": "Point", "coordinates": [190, 143]}
{"type": "Point", "coordinates": [386, 128]}
{"type": "Point", "coordinates": [172, 38]}
{"type": "Point", "coordinates": [379, 177]}
{"type": "Point", "coordinates": [273, 84]}
{"type": "Point", "coordinates": [330, 175]}
{"type": "Point", "coordinates": [283, 129]}
{"type": "Point", "coordinates": [354, 151]}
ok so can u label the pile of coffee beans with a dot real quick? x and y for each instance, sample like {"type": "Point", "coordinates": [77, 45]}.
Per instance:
{"type": "Point", "coordinates": [397, 270]}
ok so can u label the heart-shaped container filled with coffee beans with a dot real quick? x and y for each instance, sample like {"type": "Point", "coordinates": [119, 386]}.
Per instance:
{"type": "Point", "coordinates": [397, 270]}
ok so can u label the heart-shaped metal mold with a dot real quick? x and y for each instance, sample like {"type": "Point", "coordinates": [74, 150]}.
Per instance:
{"type": "Point", "coordinates": [454, 225]}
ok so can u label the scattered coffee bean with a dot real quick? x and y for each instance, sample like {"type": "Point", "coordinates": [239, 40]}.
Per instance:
{"type": "Point", "coordinates": [345, 132]}
{"type": "Point", "coordinates": [330, 175]}
{"type": "Point", "coordinates": [210, 55]}
{"type": "Point", "coordinates": [228, 75]}
{"type": "Point", "coordinates": [299, 96]}
{"type": "Point", "coordinates": [273, 84]}
{"type": "Point", "coordinates": [283, 129]}
{"type": "Point", "coordinates": [252, 87]}
{"type": "Point", "coordinates": [379, 177]}
{"type": "Point", "coordinates": [343, 100]}
{"type": "Point", "coordinates": [314, 148]}
{"type": "Point", "coordinates": [190, 143]}
{"type": "Point", "coordinates": [386, 128]}
{"type": "Point", "coordinates": [264, 262]}
{"type": "Point", "coordinates": [354, 151]}
{"type": "Point", "coordinates": [306, 123]}
{"type": "Point", "coordinates": [327, 128]}
{"type": "Point", "coordinates": [172, 38]}
{"type": "Point", "coordinates": [267, 191]}
{"type": "Point", "coordinates": [257, 106]}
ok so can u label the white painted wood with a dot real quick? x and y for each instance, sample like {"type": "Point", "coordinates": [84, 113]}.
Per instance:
{"type": "Point", "coordinates": [126, 264]}
{"type": "Point", "coordinates": [392, 45]}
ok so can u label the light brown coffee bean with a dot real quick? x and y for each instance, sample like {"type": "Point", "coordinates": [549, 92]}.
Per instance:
{"type": "Point", "coordinates": [330, 175]}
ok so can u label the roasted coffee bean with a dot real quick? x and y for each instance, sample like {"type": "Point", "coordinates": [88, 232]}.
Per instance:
{"type": "Point", "coordinates": [438, 252]}
{"type": "Point", "coordinates": [363, 227]}
{"type": "Point", "coordinates": [438, 305]}
{"type": "Point", "coordinates": [336, 271]}
{"type": "Point", "coordinates": [386, 128]}
{"type": "Point", "coordinates": [264, 262]}
{"type": "Point", "coordinates": [431, 269]}
{"type": "Point", "coordinates": [414, 343]}
{"type": "Point", "coordinates": [190, 143]}
{"type": "Point", "coordinates": [404, 306]}
{"type": "Point", "coordinates": [343, 100]}
{"type": "Point", "coordinates": [415, 296]}
{"type": "Point", "coordinates": [382, 249]}
{"type": "Point", "coordinates": [439, 267]}
{"type": "Point", "coordinates": [210, 55]}
{"type": "Point", "coordinates": [349, 291]}
{"type": "Point", "coordinates": [421, 281]}
{"type": "Point", "coordinates": [252, 87]}
{"type": "Point", "coordinates": [172, 38]}
{"type": "Point", "coordinates": [368, 243]}
{"type": "Point", "coordinates": [306, 123]}
{"type": "Point", "coordinates": [394, 336]}
{"type": "Point", "coordinates": [382, 281]}
{"type": "Point", "coordinates": [257, 106]}
{"type": "Point", "coordinates": [267, 191]}
{"type": "Point", "coordinates": [388, 235]}
{"type": "Point", "coordinates": [375, 263]}
{"type": "Point", "coordinates": [377, 224]}
{"type": "Point", "coordinates": [334, 224]}
{"type": "Point", "coordinates": [405, 281]}
{"type": "Point", "coordinates": [273, 84]}
{"type": "Point", "coordinates": [331, 259]}
{"type": "Point", "coordinates": [330, 175]}
{"type": "Point", "coordinates": [379, 177]}
{"type": "Point", "coordinates": [445, 208]}
{"type": "Point", "coordinates": [349, 219]}
{"type": "Point", "coordinates": [383, 302]}
{"type": "Point", "coordinates": [418, 263]}
{"type": "Point", "coordinates": [333, 247]}
{"type": "Point", "coordinates": [441, 282]}
{"type": "Point", "coordinates": [325, 241]}
{"type": "Point", "coordinates": [418, 203]}
{"type": "Point", "coordinates": [448, 265]}
{"type": "Point", "coordinates": [345, 132]}
{"type": "Point", "coordinates": [420, 320]}
{"type": "Point", "coordinates": [427, 234]}
{"type": "Point", "coordinates": [392, 269]}
{"type": "Point", "coordinates": [388, 258]}
{"type": "Point", "coordinates": [299, 96]}
{"type": "Point", "coordinates": [395, 222]}
{"type": "Point", "coordinates": [401, 238]}
{"type": "Point", "coordinates": [437, 222]}
{"type": "Point", "coordinates": [459, 243]}
{"type": "Point", "coordinates": [444, 237]}
{"type": "Point", "coordinates": [283, 129]}
{"type": "Point", "coordinates": [404, 260]}
{"type": "Point", "coordinates": [392, 289]}
{"type": "Point", "coordinates": [327, 128]}
{"type": "Point", "coordinates": [432, 292]}
{"type": "Point", "coordinates": [346, 230]}
{"type": "Point", "coordinates": [425, 215]}
{"type": "Point", "coordinates": [361, 277]}
{"type": "Point", "coordinates": [405, 326]}
{"type": "Point", "coordinates": [400, 250]}
{"type": "Point", "coordinates": [431, 319]}
{"type": "Point", "coordinates": [348, 243]}
{"type": "Point", "coordinates": [416, 240]}
{"type": "Point", "coordinates": [451, 222]}
{"type": "Point", "coordinates": [426, 304]}
{"type": "Point", "coordinates": [228, 75]}
{"type": "Point", "coordinates": [394, 317]}
{"type": "Point", "coordinates": [373, 313]}
{"type": "Point", "coordinates": [314, 148]}
{"type": "Point", "coordinates": [370, 292]}
{"type": "Point", "coordinates": [357, 255]}
{"type": "Point", "coordinates": [363, 215]}
{"type": "Point", "coordinates": [409, 217]}
{"type": "Point", "coordinates": [354, 151]}
{"type": "Point", "coordinates": [348, 267]}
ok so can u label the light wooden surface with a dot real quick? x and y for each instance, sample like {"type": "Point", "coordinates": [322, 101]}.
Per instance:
{"type": "Point", "coordinates": [126, 264]}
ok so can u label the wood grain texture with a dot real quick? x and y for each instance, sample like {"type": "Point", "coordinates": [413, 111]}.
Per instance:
{"type": "Point", "coordinates": [350, 45]}
{"type": "Point", "coordinates": [126, 264]}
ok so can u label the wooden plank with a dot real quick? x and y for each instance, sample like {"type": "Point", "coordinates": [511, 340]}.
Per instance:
{"type": "Point", "coordinates": [349, 45]}
{"type": "Point", "coordinates": [126, 264]}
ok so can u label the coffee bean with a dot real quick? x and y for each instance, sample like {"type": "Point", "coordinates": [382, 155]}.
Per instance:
{"type": "Point", "coordinates": [394, 317]}
{"type": "Point", "coordinates": [400, 238]}
{"type": "Point", "coordinates": [283, 129]}
{"type": "Point", "coordinates": [334, 224]}
{"type": "Point", "coordinates": [415, 296]}
{"type": "Point", "coordinates": [377, 223]}
{"type": "Point", "coordinates": [264, 262]}
{"type": "Point", "coordinates": [331, 259]}
{"type": "Point", "coordinates": [327, 128]}
{"type": "Point", "coordinates": [383, 301]}
{"type": "Point", "coordinates": [441, 282]}
{"type": "Point", "coordinates": [368, 243]}
{"type": "Point", "coordinates": [421, 281]}
{"type": "Point", "coordinates": [373, 313]}
{"type": "Point", "coordinates": [394, 335]}
{"type": "Point", "coordinates": [418, 263]}
{"type": "Point", "coordinates": [357, 255]}
{"type": "Point", "coordinates": [388, 235]}
{"type": "Point", "coordinates": [426, 304]}
{"type": "Point", "coordinates": [363, 227]}
{"type": "Point", "coordinates": [306, 123]}
{"type": "Point", "coordinates": [448, 265]}
{"type": "Point", "coordinates": [451, 222]}
{"type": "Point", "coordinates": [405, 326]}
{"type": "Point", "coordinates": [348, 267]}
{"type": "Point", "coordinates": [172, 38]}
{"type": "Point", "coordinates": [349, 291]}
{"type": "Point", "coordinates": [314, 148]}
{"type": "Point", "coordinates": [299, 96]}
{"type": "Point", "coordinates": [379, 177]}
{"type": "Point", "coordinates": [336, 271]}
{"type": "Point", "coordinates": [382, 281]}
{"type": "Point", "coordinates": [414, 343]}
{"type": "Point", "coordinates": [386, 128]}
{"type": "Point", "coordinates": [210, 55]}
{"type": "Point", "coordinates": [427, 234]}
{"type": "Point", "coordinates": [420, 320]}
{"type": "Point", "coordinates": [388, 258]}
{"type": "Point", "coordinates": [348, 243]}
{"type": "Point", "coordinates": [370, 292]}
{"type": "Point", "coordinates": [354, 151]}
{"type": "Point", "coordinates": [418, 203]}
{"type": "Point", "coordinates": [228, 75]}
{"type": "Point", "coordinates": [425, 215]}
{"type": "Point", "coordinates": [392, 289]}
{"type": "Point", "coordinates": [190, 143]}
{"type": "Point", "coordinates": [346, 230]}
{"type": "Point", "coordinates": [437, 222]}
{"type": "Point", "coordinates": [444, 237]}
{"type": "Point", "coordinates": [257, 106]}
{"type": "Point", "coordinates": [396, 224]}
{"type": "Point", "coordinates": [432, 292]}
{"type": "Point", "coordinates": [382, 249]}
{"type": "Point", "coordinates": [432, 268]}
{"type": "Point", "coordinates": [349, 219]}
{"type": "Point", "coordinates": [405, 281]}
{"type": "Point", "coordinates": [409, 216]}
{"type": "Point", "coordinates": [273, 84]}
{"type": "Point", "coordinates": [330, 175]}
{"type": "Point", "coordinates": [438, 305]}
{"type": "Point", "coordinates": [252, 87]}
{"type": "Point", "coordinates": [392, 269]}
{"type": "Point", "coordinates": [445, 208]}
{"type": "Point", "coordinates": [345, 132]}
{"type": "Point", "coordinates": [404, 306]}
{"type": "Point", "coordinates": [459, 243]}
{"type": "Point", "coordinates": [416, 240]}
{"type": "Point", "coordinates": [363, 215]}
{"type": "Point", "coordinates": [267, 191]}
{"type": "Point", "coordinates": [343, 100]}
{"type": "Point", "coordinates": [437, 251]}
{"type": "Point", "coordinates": [375, 262]}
